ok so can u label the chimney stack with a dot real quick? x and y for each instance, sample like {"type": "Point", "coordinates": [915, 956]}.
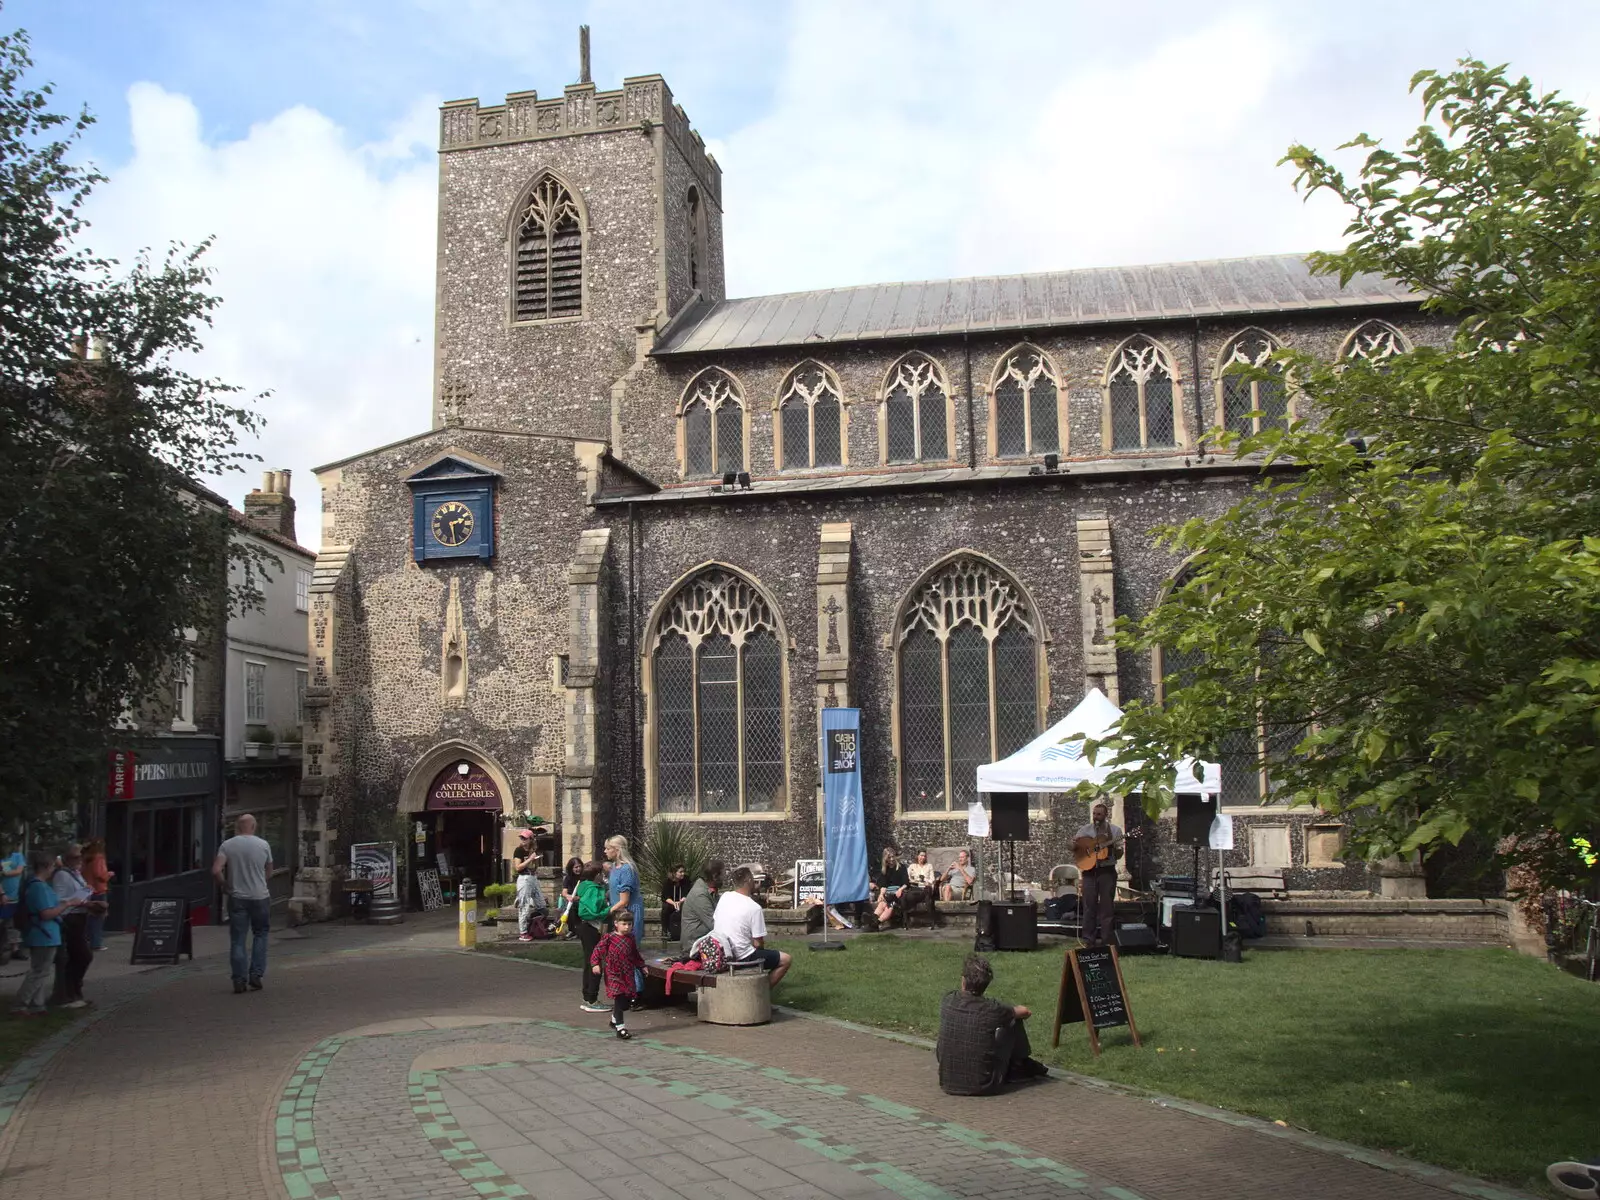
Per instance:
{"type": "Point", "coordinates": [270, 507]}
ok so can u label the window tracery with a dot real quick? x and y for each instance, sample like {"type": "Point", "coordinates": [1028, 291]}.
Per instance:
{"type": "Point", "coordinates": [811, 413]}
{"type": "Point", "coordinates": [1373, 341]}
{"type": "Point", "coordinates": [1142, 397]}
{"type": "Point", "coordinates": [968, 682]}
{"type": "Point", "coordinates": [917, 412]}
{"type": "Point", "coordinates": [1246, 405]}
{"type": "Point", "coordinates": [712, 417]}
{"type": "Point", "coordinates": [549, 254]}
{"type": "Point", "coordinates": [718, 699]}
{"type": "Point", "coordinates": [1026, 405]}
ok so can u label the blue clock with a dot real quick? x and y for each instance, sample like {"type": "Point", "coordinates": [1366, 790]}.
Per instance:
{"type": "Point", "coordinates": [452, 510]}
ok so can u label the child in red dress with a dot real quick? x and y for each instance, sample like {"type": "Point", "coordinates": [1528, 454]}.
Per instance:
{"type": "Point", "coordinates": [615, 959]}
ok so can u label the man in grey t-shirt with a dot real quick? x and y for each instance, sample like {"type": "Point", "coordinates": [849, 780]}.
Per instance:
{"type": "Point", "coordinates": [243, 866]}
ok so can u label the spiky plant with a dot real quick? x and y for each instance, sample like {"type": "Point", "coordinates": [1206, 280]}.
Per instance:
{"type": "Point", "coordinates": [668, 844]}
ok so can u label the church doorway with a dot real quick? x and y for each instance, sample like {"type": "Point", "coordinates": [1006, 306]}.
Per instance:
{"type": "Point", "coordinates": [459, 830]}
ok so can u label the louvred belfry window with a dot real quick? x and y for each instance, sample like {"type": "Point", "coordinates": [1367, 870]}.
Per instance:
{"type": "Point", "coordinates": [713, 426]}
{"type": "Point", "coordinates": [917, 412]}
{"type": "Point", "coordinates": [1246, 406]}
{"type": "Point", "coordinates": [811, 413]}
{"type": "Point", "coordinates": [549, 255]}
{"type": "Point", "coordinates": [969, 683]}
{"type": "Point", "coordinates": [1026, 413]}
{"type": "Point", "coordinates": [1141, 394]}
{"type": "Point", "coordinates": [718, 715]}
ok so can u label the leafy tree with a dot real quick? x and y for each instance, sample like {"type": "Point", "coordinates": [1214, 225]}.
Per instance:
{"type": "Point", "coordinates": [104, 559]}
{"type": "Point", "coordinates": [1417, 609]}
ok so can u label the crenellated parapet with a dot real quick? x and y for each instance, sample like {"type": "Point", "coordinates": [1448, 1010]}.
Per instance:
{"type": "Point", "coordinates": [642, 102]}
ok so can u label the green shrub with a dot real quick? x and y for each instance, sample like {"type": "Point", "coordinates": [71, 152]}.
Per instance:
{"type": "Point", "coordinates": [669, 844]}
{"type": "Point", "coordinates": [499, 894]}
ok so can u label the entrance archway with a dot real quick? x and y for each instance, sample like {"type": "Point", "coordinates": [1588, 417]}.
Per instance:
{"type": "Point", "coordinates": [455, 801]}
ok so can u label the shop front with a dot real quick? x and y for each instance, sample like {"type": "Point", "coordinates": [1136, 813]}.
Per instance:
{"type": "Point", "coordinates": [460, 832]}
{"type": "Point", "coordinates": [160, 823]}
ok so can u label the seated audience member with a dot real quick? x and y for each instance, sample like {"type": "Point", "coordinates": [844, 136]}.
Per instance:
{"type": "Point", "coordinates": [982, 1042]}
{"type": "Point", "coordinates": [674, 888]}
{"type": "Point", "coordinates": [891, 881]}
{"type": "Point", "coordinates": [700, 905]}
{"type": "Point", "coordinates": [741, 927]}
{"type": "Point", "coordinates": [958, 880]}
{"type": "Point", "coordinates": [920, 873]}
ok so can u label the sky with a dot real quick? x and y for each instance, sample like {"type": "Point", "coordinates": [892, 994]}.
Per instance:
{"type": "Point", "coordinates": [860, 141]}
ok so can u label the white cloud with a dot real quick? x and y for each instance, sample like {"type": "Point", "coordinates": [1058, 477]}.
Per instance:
{"type": "Point", "coordinates": [323, 256]}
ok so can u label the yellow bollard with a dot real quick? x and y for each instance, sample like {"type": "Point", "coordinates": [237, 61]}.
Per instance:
{"type": "Point", "coordinates": [467, 933]}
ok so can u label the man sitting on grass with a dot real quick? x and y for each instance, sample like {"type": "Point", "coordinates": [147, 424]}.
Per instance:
{"type": "Point", "coordinates": [982, 1043]}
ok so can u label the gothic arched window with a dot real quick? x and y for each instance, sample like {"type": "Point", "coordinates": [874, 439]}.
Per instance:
{"type": "Point", "coordinates": [1246, 406]}
{"type": "Point", "coordinates": [1143, 409]}
{"type": "Point", "coordinates": [1373, 341]}
{"type": "Point", "coordinates": [1026, 410]}
{"type": "Point", "coordinates": [811, 416]}
{"type": "Point", "coordinates": [712, 421]}
{"type": "Point", "coordinates": [968, 684]}
{"type": "Point", "coordinates": [697, 239]}
{"type": "Point", "coordinates": [916, 420]}
{"type": "Point", "coordinates": [549, 254]}
{"type": "Point", "coordinates": [716, 707]}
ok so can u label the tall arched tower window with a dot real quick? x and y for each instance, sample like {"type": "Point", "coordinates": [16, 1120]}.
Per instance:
{"type": "Point", "coordinates": [697, 238]}
{"type": "Point", "coordinates": [810, 419]}
{"type": "Point", "coordinates": [1027, 399]}
{"type": "Point", "coordinates": [549, 254]}
{"type": "Point", "coordinates": [711, 425]}
{"type": "Point", "coordinates": [716, 713]}
{"type": "Point", "coordinates": [917, 414]}
{"type": "Point", "coordinates": [970, 664]}
{"type": "Point", "coordinates": [1143, 407]}
{"type": "Point", "coordinates": [1244, 405]}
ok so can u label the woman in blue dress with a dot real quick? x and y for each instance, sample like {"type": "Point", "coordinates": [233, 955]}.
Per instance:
{"type": "Point", "coordinates": [622, 886]}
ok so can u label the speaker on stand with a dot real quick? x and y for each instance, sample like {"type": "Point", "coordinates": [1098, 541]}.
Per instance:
{"type": "Point", "coordinates": [1008, 822]}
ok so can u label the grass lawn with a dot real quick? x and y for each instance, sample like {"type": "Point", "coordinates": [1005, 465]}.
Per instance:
{"type": "Point", "coordinates": [1478, 1060]}
{"type": "Point", "coordinates": [18, 1035]}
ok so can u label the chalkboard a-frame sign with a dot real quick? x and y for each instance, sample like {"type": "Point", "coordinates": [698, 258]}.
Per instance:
{"type": "Point", "coordinates": [163, 931]}
{"type": "Point", "coordinates": [1092, 991]}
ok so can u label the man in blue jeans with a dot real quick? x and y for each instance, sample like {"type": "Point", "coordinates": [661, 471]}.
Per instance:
{"type": "Point", "coordinates": [243, 865]}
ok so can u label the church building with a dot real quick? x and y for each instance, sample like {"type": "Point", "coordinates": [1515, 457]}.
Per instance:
{"type": "Point", "coordinates": [653, 530]}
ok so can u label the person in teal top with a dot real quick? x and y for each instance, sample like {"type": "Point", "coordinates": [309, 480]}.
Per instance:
{"type": "Point", "coordinates": [42, 936]}
{"type": "Point", "coordinates": [12, 867]}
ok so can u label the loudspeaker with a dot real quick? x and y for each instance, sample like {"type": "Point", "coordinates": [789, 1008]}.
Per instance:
{"type": "Point", "coordinates": [1016, 926]}
{"type": "Point", "coordinates": [1196, 811]}
{"type": "Point", "coordinates": [1009, 819]}
{"type": "Point", "coordinates": [1134, 939]}
{"type": "Point", "coordinates": [1197, 933]}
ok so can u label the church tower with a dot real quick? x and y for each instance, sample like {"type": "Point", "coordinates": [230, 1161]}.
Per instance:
{"type": "Point", "coordinates": [570, 230]}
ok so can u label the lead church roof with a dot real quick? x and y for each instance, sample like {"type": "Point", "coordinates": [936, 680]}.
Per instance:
{"type": "Point", "coordinates": [1279, 283]}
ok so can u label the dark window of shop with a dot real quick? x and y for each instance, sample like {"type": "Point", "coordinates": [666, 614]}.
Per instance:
{"type": "Point", "coordinates": [156, 839]}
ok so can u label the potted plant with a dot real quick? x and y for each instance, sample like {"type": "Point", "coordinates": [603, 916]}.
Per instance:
{"type": "Point", "coordinates": [496, 896]}
{"type": "Point", "coordinates": [289, 743]}
{"type": "Point", "coordinates": [258, 738]}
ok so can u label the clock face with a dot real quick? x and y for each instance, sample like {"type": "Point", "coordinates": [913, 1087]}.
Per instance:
{"type": "Point", "coordinates": [451, 524]}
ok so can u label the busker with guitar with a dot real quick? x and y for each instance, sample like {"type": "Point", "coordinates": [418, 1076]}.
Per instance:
{"type": "Point", "coordinates": [1099, 842]}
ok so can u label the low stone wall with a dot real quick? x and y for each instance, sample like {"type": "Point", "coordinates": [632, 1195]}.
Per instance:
{"type": "Point", "coordinates": [1491, 922]}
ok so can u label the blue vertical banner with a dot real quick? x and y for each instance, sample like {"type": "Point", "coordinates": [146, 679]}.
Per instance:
{"type": "Point", "coordinates": [844, 822]}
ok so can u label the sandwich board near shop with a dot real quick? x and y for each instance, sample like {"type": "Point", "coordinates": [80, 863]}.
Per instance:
{"type": "Point", "coordinates": [163, 932]}
{"type": "Point", "coordinates": [1092, 991]}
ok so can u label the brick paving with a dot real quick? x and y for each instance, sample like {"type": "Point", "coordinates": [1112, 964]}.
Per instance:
{"type": "Point", "coordinates": [397, 1071]}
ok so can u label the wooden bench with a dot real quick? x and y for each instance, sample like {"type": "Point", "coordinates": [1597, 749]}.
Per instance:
{"type": "Point", "coordinates": [745, 997]}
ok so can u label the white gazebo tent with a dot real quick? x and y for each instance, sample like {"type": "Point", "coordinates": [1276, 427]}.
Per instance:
{"type": "Point", "coordinates": [1055, 760]}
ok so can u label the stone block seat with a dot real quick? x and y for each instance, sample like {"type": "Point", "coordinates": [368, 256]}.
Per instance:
{"type": "Point", "coordinates": [741, 995]}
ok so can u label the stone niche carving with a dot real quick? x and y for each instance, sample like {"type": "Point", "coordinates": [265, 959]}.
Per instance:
{"type": "Point", "coordinates": [453, 660]}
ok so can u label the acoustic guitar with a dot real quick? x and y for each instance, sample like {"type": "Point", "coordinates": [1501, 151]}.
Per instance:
{"type": "Point", "coordinates": [1089, 852]}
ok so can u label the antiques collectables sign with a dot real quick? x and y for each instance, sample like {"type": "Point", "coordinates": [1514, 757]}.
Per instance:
{"type": "Point", "coordinates": [453, 790]}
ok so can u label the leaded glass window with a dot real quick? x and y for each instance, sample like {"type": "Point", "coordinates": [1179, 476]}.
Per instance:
{"type": "Point", "coordinates": [1373, 341]}
{"type": "Point", "coordinates": [717, 700]}
{"type": "Point", "coordinates": [811, 411]}
{"type": "Point", "coordinates": [916, 420]}
{"type": "Point", "coordinates": [713, 425]}
{"type": "Point", "coordinates": [1142, 397]}
{"type": "Point", "coordinates": [1026, 409]}
{"type": "Point", "coordinates": [1248, 405]}
{"type": "Point", "coordinates": [968, 686]}
{"type": "Point", "coordinates": [549, 254]}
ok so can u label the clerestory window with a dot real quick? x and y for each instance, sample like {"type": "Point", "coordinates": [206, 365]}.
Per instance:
{"type": "Point", "coordinates": [916, 425]}
{"type": "Point", "coordinates": [717, 703]}
{"type": "Point", "coordinates": [549, 254]}
{"type": "Point", "coordinates": [712, 422]}
{"type": "Point", "coordinates": [1143, 408]}
{"type": "Point", "coordinates": [969, 650]}
{"type": "Point", "coordinates": [1027, 394]}
{"type": "Point", "coordinates": [810, 419]}
{"type": "Point", "coordinates": [1246, 405]}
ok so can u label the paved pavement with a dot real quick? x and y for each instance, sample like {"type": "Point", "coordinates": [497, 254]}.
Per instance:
{"type": "Point", "coordinates": [380, 1063]}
